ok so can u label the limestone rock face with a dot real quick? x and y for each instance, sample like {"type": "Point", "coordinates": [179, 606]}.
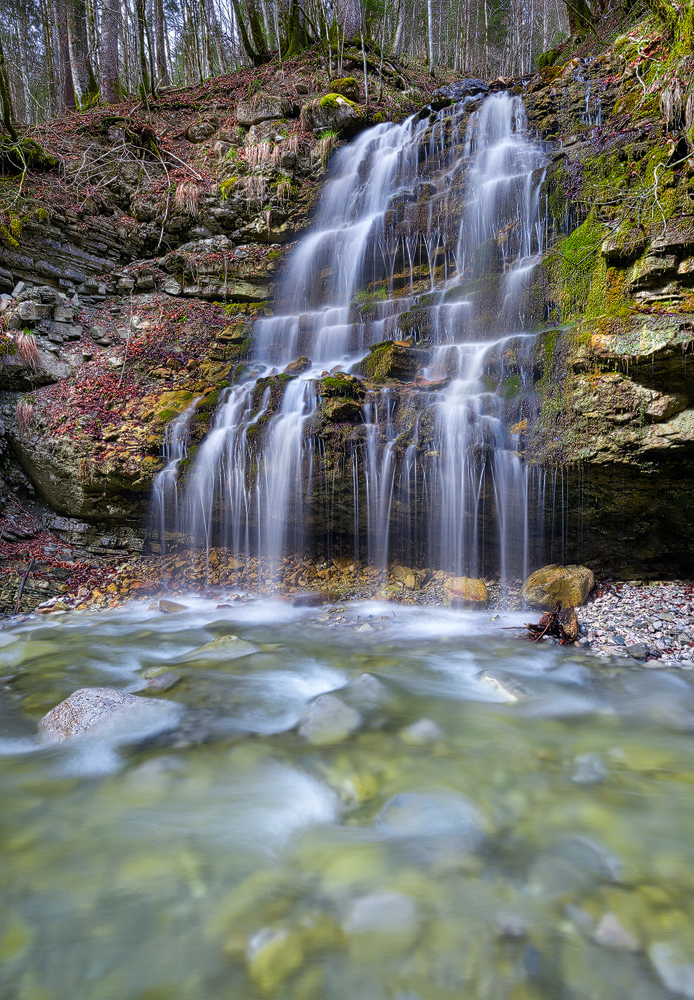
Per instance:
{"type": "Point", "coordinates": [333, 113]}
{"type": "Point", "coordinates": [568, 584]}
{"type": "Point", "coordinates": [464, 592]}
{"type": "Point", "coordinates": [261, 107]}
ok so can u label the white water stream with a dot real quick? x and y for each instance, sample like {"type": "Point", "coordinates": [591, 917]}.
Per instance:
{"type": "Point", "coordinates": [453, 198]}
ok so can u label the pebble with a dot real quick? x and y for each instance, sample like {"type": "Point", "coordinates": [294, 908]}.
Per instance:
{"type": "Point", "coordinates": [651, 623]}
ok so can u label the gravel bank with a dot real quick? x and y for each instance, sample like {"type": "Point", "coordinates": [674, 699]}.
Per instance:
{"type": "Point", "coordinates": [652, 623]}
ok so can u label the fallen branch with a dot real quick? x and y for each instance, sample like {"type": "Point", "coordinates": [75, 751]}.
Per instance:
{"type": "Point", "coordinates": [21, 585]}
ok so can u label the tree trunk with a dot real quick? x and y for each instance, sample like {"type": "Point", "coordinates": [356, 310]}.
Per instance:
{"type": "Point", "coordinates": [66, 89]}
{"type": "Point", "coordinates": [245, 40]}
{"type": "Point", "coordinates": [430, 27]}
{"type": "Point", "coordinates": [82, 73]}
{"type": "Point", "coordinates": [108, 50]}
{"type": "Point", "coordinates": [350, 16]}
{"type": "Point", "coordinates": [256, 26]}
{"type": "Point", "coordinates": [400, 30]}
{"type": "Point", "coordinates": [159, 41]}
{"type": "Point", "coordinates": [144, 70]}
{"type": "Point", "coordinates": [5, 99]}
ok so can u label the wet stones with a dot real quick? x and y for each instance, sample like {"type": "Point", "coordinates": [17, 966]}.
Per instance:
{"type": "Point", "coordinates": [387, 361]}
{"type": "Point", "coordinates": [464, 592]}
{"type": "Point", "coordinates": [551, 584]}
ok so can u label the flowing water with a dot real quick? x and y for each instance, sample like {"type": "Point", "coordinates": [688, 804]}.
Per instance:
{"type": "Point", "coordinates": [481, 819]}
{"type": "Point", "coordinates": [429, 230]}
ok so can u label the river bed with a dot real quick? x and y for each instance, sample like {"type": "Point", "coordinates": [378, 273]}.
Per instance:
{"type": "Point", "coordinates": [464, 815]}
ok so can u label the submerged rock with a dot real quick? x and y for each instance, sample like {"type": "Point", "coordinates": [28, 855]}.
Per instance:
{"type": "Point", "coordinates": [90, 707]}
{"type": "Point", "coordinates": [569, 584]}
{"type": "Point", "coordinates": [329, 720]}
{"type": "Point", "coordinates": [171, 607]}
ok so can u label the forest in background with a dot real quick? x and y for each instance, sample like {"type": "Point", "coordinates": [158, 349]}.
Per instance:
{"type": "Point", "coordinates": [61, 55]}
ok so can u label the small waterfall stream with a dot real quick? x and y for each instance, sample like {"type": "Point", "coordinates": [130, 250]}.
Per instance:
{"type": "Point", "coordinates": [426, 233]}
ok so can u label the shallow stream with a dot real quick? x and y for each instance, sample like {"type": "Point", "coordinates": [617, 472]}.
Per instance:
{"type": "Point", "coordinates": [482, 818]}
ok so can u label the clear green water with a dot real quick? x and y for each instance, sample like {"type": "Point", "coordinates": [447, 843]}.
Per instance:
{"type": "Point", "coordinates": [231, 858]}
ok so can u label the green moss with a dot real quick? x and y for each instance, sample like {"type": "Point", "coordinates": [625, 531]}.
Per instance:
{"type": "Point", "coordinates": [548, 58]}
{"type": "Point", "coordinates": [334, 101]}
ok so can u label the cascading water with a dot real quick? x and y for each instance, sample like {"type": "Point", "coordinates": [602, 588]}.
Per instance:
{"type": "Point", "coordinates": [427, 232]}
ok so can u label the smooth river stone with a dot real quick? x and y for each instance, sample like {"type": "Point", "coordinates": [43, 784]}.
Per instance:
{"type": "Point", "coordinates": [328, 720]}
{"type": "Point", "coordinates": [88, 707]}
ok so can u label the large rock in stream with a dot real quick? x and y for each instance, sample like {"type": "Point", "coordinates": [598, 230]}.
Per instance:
{"type": "Point", "coordinates": [88, 709]}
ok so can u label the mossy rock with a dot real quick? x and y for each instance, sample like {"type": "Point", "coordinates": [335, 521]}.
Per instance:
{"type": "Point", "coordinates": [341, 410]}
{"type": "Point", "coordinates": [340, 384]}
{"type": "Point", "coordinates": [570, 585]}
{"type": "Point", "coordinates": [388, 361]}
{"type": "Point", "coordinates": [347, 87]}
{"type": "Point", "coordinates": [333, 113]}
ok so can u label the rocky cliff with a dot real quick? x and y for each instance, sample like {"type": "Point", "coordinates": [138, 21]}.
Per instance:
{"type": "Point", "coordinates": [132, 279]}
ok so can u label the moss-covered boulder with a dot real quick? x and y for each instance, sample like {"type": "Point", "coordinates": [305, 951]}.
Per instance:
{"type": "Point", "coordinates": [347, 86]}
{"type": "Point", "coordinates": [339, 410]}
{"type": "Point", "coordinates": [570, 585]}
{"type": "Point", "coordinates": [388, 361]}
{"type": "Point", "coordinates": [333, 113]}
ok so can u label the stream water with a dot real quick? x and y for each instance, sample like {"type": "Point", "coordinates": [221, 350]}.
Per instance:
{"type": "Point", "coordinates": [482, 818]}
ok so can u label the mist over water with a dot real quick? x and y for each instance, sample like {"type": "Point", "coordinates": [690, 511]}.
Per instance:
{"type": "Point", "coordinates": [500, 819]}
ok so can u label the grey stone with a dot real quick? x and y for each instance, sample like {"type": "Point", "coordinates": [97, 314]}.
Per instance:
{"type": "Point", "coordinates": [87, 708]}
{"type": "Point", "coordinates": [610, 934]}
{"type": "Point", "coordinates": [328, 720]}
{"type": "Point", "coordinates": [421, 732]}
{"type": "Point", "coordinates": [676, 970]}
{"type": "Point", "coordinates": [199, 131]}
{"type": "Point", "coordinates": [261, 107]}
{"type": "Point", "coordinates": [590, 769]}
{"type": "Point", "coordinates": [19, 287]}
{"type": "Point", "coordinates": [638, 650]}
{"type": "Point", "coordinates": [172, 287]}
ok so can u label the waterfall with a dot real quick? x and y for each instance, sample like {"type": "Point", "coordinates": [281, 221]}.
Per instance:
{"type": "Point", "coordinates": [426, 232]}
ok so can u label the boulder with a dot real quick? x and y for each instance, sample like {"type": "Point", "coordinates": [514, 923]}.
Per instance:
{"type": "Point", "coordinates": [342, 411]}
{"type": "Point", "coordinates": [464, 592]}
{"type": "Point", "coordinates": [347, 87]}
{"type": "Point", "coordinates": [411, 579]}
{"type": "Point", "coordinates": [261, 107]}
{"type": "Point", "coordinates": [268, 131]}
{"type": "Point", "coordinates": [299, 366]}
{"type": "Point", "coordinates": [328, 720]}
{"type": "Point", "coordinates": [568, 584]}
{"type": "Point", "coordinates": [90, 707]}
{"type": "Point", "coordinates": [199, 131]}
{"type": "Point", "coordinates": [332, 113]}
